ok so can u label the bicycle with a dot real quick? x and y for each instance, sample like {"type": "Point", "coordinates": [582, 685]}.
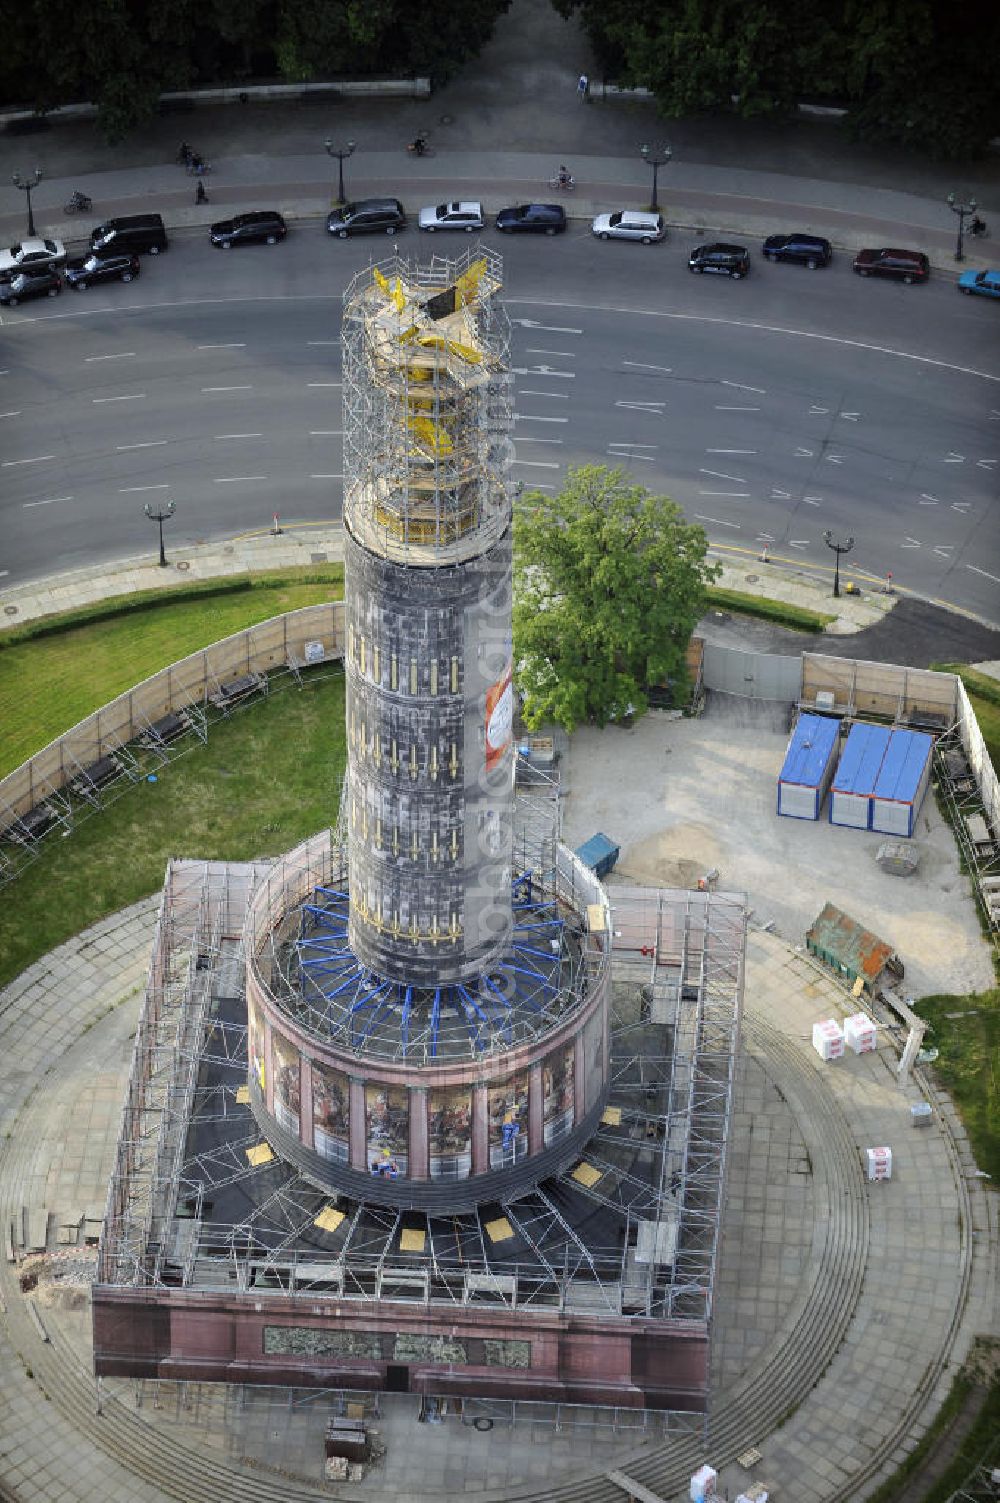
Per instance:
{"type": "Point", "coordinates": [80, 203]}
{"type": "Point", "coordinates": [565, 184]}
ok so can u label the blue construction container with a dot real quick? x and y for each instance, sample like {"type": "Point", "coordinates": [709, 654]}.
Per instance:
{"type": "Point", "coordinates": [599, 853]}
{"type": "Point", "coordinates": [857, 773]}
{"type": "Point", "coordinates": [902, 782]}
{"type": "Point", "coordinates": [808, 766]}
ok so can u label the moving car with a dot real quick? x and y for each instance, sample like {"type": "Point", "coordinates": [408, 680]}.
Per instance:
{"type": "Point", "coordinates": [83, 271]}
{"type": "Point", "coordinates": [901, 265]}
{"type": "Point", "coordinates": [629, 224]}
{"type": "Point", "coordinates": [259, 226]}
{"type": "Point", "coordinates": [532, 219]}
{"type": "Point", "coordinates": [44, 282]}
{"type": "Point", "coordinates": [31, 255]}
{"type": "Point", "coordinates": [980, 283]}
{"type": "Point", "coordinates": [458, 215]}
{"type": "Point", "coordinates": [132, 235]}
{"type": "Point", "coordinates": [725, 260]}
{"type": "Point", "coordinates": [366, 216]}
{"type": "Point", "coordinates": [808, 250]}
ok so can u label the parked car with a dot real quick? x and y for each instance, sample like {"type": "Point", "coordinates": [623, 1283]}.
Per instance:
{"type": "Point", "coordinates": [365, 216]}
{"type": "Point", "coordinates": [132, 235]}
{"type": "Point", "coordinates": [980, 283]}
{"type": "Point", "coordinates": [532, 219]}
{"type": "Point", "coordinates": [901, 265]}
{"type": "Point", "coordinates": [260, 226]}
{"type": "Point", "coordinates": [726, 260]}
{"type": "Point", "coordinates": [31, 255]}
{"type": "Point", "coordinates": [629, 224]}
{"type": "Point", "coordinates": [808, 250]}
{"type": "Point", "coordinates": [83, 271]}
{"type": "Point", "coordinates": [45, 282]}
{"type": "Point", "coordinates": [458, 215]}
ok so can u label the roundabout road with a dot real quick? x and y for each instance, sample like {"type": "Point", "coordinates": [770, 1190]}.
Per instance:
{"type": "Point", "coordinates": [771, 409]}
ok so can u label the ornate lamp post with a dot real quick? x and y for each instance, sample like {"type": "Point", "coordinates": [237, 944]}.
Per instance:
{"type": "Point", "coordinates": [159, 517]}
{"type": "Point", "coordinates": [656, 157]}
{"type": "Point", "coordinates": [26, 184]}
{"type": "Point", "coordinates": [341, 153]}
{"type": "Point", "coordinates": [838, 548]}
{"type": "Point", "coordinates": [964, 212]}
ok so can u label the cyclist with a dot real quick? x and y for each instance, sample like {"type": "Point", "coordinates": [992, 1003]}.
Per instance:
{"type": "Point", "coordinates": [563, 176]}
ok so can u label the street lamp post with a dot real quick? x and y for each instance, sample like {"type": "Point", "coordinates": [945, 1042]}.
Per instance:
{"type": "Point", "coordinates": [26, 184]}
{"type": "Point", "coordinates": [341, 153]}
{"type": "Point", "coordinates": [838, 548]}
{"type": "Point", "coordinates": [964, 211]}
{"type": "Point", "coordinates": [656, 157]}
{"type": "Point", "coordinates": [159, 517]}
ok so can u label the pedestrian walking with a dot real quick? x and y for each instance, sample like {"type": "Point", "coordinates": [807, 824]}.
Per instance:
{"type": "Point", "coordinates": [201, 197]}
{"type": "Point", "coordinates": [583, 84]}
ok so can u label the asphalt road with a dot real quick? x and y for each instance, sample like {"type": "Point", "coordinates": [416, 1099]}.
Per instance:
{"type": "Point", "coordinates": [772, 409]}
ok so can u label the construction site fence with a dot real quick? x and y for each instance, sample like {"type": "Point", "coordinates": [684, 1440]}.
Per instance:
{"type": "Point", "coordinates": [979, 759]}
{"type": "Point", "coordinates": [280, 643]}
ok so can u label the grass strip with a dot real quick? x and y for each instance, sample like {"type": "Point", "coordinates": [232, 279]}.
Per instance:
{"type": "Point", "coordinates": [981, 1447]}
{"type": "Point", "coordinates": [913, 1463]}
{"type": "Point", "coordinates": [62, 669]}
{"type": "Point", "coordinates": [966, 1032]}
{"type": "Point", "coordinates": [798, 617]}
{"type": "Point", "coordinates": [266, 779]}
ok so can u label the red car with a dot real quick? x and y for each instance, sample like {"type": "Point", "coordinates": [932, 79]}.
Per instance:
{"type": "Point", "coordinates": [901, 265]}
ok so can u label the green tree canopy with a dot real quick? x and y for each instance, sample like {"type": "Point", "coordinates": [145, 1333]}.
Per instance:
{"type": "Point", "coordinates": [609, 581]}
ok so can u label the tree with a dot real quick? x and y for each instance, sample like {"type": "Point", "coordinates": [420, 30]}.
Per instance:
{"type": "Point", "coordinates": [609, 581]}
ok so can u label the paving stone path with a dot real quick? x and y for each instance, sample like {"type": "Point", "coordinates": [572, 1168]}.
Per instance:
{"type": "Point", "coordinates": [836, 1299]}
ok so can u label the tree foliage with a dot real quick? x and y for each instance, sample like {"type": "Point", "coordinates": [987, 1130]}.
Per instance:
{"type": "Point", "coordinates": [922, 72]}
{"type": "Point", "coordinates": [609, 581]}
{"type": "Point", "coordinates": [122, 54]}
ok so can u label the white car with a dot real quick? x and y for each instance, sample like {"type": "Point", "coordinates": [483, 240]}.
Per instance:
{"type": "Point", "coordinates": [466, 216]}
{"type": "Point", "coordinates": [629, 224]}
{"type": "Point", "coordinates": [32, 255]}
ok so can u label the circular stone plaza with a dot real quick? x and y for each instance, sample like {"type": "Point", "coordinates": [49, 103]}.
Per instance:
{"type": "Point", "coordinates": [435, 1164]}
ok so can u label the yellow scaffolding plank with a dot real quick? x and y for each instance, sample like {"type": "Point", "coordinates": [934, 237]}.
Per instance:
{"type": "Point", "coordinates": [499, 1230]}
{"type": "Point", "coordinates": [585, 1174]}
{"type": "Point", "coordinates": [260, 1154]}
{"type": "Point", "coordinates": [329, 1219]}
{"type": "Point", "coordinates": [612, 1116]}
{"type": "Point", "coordinates": [411, 1240]}
{"type": "Point", "coordinates": [242, 1095]}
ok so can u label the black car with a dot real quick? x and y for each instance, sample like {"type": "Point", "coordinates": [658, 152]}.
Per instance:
{"type": "Point", "coordinates": [808, 250]}
{"type": "Point", "coordinates": [83, 271]}
{"type": "Point", "coordinates": [264, 225]}
{"type": "Point", "coordinates": [727, 260]}
{"type": "Point", "coordinates": [900, 265]}
{"type": "Point", "coordinates": [532, 219]}
{"type": "Point", "coordinates": [27, 284]}
{"type": "Point", "coordinates": [367, 216]}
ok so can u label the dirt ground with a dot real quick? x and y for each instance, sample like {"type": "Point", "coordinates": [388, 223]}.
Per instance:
{"type": "Point", "coordinates": [682, 797]}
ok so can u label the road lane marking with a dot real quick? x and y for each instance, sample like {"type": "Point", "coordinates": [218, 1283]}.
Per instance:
{"type": "Point", "coordinates": [10, 464]}
{"type": "Point", "coordinates": [126, 490]}
{"type": "Point", "coordinates": [720, 408]}
{"type": "Point", "coordinates": [313, 343]}
{"type": "Point", "coordinates": [543, 370]}
{"type": "Point", "coordinates": [736, 479]}
{"type": "Point", "coordinates": [326, 432]}
{"type": "Point", "coordinates": [640, 365]}
{"type": "Point", "coordinates": [531, 323]}
{"type": "Point", "coordinates": [961, 506]}
{"type": "Point", "coordinates": [985, 464]}
{"type": "Point", "coordinates": [238, 435]}
{"type": "Point", "coordinates": [152, 443]}
{"type": "Point", "coordinates": [529, 438]}
{"type": "Point", "coordinates": [220, 347]}
{"type": "Point", "coordinates": [717, 521]}
{"type": "Point", "coordinates": [125, 355]}
{"type": "Point", "coordinates": [528, 417]}
{"type": "Point", "coordinates": [559, 396]}
{"type": "Point", "coordinates": [740, 386]}
{"type": "Point", "coordinates": [227, 388]}
{"type": "Point", "coordinates": [560, 354]}
{"type": "Point", "coordinates": [730, 451]}
{"type": "Point", "coordinates": [49, 501]}
{"type": "Point", "coordinates": [536, 464]}
{"type": "Point", "coordinates": [324, 477]}
{"type": "Point", "coordinates": [655, 409]}
{"type": "Point", "coordinates": [984, 572]}
{"type": "Point", "coordinates": [236, 479]}
{"type": "Point", "coordinates": [134, 396]}
{"type": "Point", "coordinates": [741, 495]}
{"type": "Point", "coordinates": [798, 542]}
{"type": "Point", "coordinates": [320, 384]}
{"type": "Point", "coordinates": [622, 451]}
{"type": "Point", "coordinates": [9, 414]}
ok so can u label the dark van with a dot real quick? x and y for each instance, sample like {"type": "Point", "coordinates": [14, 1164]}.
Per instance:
{"type": "Point", "coordinates": [133, 235]}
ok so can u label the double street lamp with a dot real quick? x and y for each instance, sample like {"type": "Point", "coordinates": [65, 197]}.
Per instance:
{"type": "Point", "coordinates": [656, 157]}
{"type": "Point", "coordinates": [838, 548]}
{"type": "Point", "coordinates": [26, 185]}
{"type": "Point", "coordinates": [159, 517]}
{"type": "Point", "coordinates": [341, 153]}
{"type": "Point", "coordinates": [964, 211]}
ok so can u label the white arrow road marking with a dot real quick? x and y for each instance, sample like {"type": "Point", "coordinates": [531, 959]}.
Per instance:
{"type": "Point", "coordinates": [531, 323]}
{"type": "Point", "coordinates": [984, 573]}
{"type": "Point", "coordinates": [910, 543]}
{"type": "Point", "coordinates": [985, 464]}
{"type": "Point", "coordinates": [834, 458]}
{"type": "Point", "coordinates": [536, 464]}
{"type": "Point", "coordinates": [812, 500]}
{"type": "Point", "coordinates": [632, 446]}
{"type": "Point", "coordinates": [927, 500]}
{"type": "Point", "coordinates": [850, 417]}
{"type": "Point", "coordinates": [765, 537]}
{"type": "Point", "coordinates": [631, 456]}
{"type": "Point", "coordinates": [560, 396]}
{"type": "Point", "coordinates": [777, 495]}
{"type": "Point", "coordinates": [717, 521]}
{"type": "Point", "coordinates": [818, 411]}
{"type": "Point", "coordinates": [9, 414]}
{"type": "Point", "coordinates": [543, 370]}
{"type": "Point", "coordinates": [804, 454]}
{"type": "Point", "coordinates": [718, 475]}
{"type": "Point", "coordinates": [961, 506]}
{"type": "Point", "coordinates": [562, 354]}
{"type": "Point", "coordinates": [944, 550]}
{"type": "Point", "coordinates": [654, 408]}
{"type": "Point", "coordinates": [529, 438]}
{"type": "Point", "coordinates": [640, 365]}
{"type": "Point", "coordinates": [798, 542]}
{"type": "Point", "coordinates": [954, 458]}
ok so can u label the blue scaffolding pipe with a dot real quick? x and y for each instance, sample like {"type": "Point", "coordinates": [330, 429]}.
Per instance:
{"type": "Point", "coordinates": [468, 1005]}
{"type": "Point", "coordinates": [520, 970]}
{"type": "Point", "coordinates": [333, 892]}
{"type": "Point", "coordinates": [552, 956]}
{"type": "Point", "coordinates": [404, 1022]}
{"type": "Point", "coordinates": [435, 1020]}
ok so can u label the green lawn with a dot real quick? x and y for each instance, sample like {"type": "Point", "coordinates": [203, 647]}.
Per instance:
{"type": "Point", "coordinates": [52, 674]}
{"type": "Point", "coordinates": [266, 779]}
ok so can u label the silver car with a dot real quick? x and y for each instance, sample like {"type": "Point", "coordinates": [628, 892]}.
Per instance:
{"type": "Point", "coordinates": [630, 224]}
{"type": "Point", "coordinates": [35, 254]}
{"type": "Point", "coordinates": [466, 215]}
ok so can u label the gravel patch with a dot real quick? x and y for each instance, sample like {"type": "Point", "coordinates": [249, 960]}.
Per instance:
{"type": "Point", "coordinates": [682, 797]}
